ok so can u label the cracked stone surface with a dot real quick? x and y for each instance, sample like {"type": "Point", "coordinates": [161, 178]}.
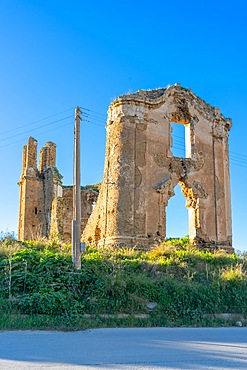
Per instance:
{"type": "Point", "coordinates": [140, 171]}
{"type": "Point", "coordinates": [46, 206]}
{"type": "Point", "coordinates": [140, 175]}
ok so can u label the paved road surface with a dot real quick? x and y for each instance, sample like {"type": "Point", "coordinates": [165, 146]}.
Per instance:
{"type": "Point", "coordinates": [125, 349]}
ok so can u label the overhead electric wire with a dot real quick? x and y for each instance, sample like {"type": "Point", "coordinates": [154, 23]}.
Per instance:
{"type": "Point", "coordinates": [84, 114]}
{"type": "Point", "coordinates": [232, 160]}
{"type": "Point", "coordinates": [181, 149]}
{"type": "Point", "coordinates": [179, 137]}
{"type": "Point", "coordinates": [89, 110]}
{"type": "Point", "coordinates": [237, 164]}
{"type": "Point", "coordinates": [91, 120]}
{"type": "Point", "coordinates": [94, 118]}
{"type": "Point", "coordinates": [235, 158]}
{"type": "Point", "coordinates": [241, 162]}
{"type": "Point", "coordinates": [36, 128]}
{"type": "Point", "coordinates": [240, 156]}
{"type": "Point", "coordinates": [238, 160]}
{"type": "Point", "coordinates": [93, 123]}
{"type": "Point", "coordinates": [178, 143]}
{"type": "Point", "coordinates": [39, 134]}
{"type": "Point", "coordinates": [45, 118]}
{"type": "Point", "coordinates": [31, 123]}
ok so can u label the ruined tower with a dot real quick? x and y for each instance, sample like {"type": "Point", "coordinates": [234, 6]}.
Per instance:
{"type": "Point", "coordinates": [46, 206]}
{"type": "Point", "coordinates": [38, 188]}
{"type": "Point", "coordinates": [140, 171]}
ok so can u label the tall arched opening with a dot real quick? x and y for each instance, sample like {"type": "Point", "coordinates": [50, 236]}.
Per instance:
{"type": "Point", "coordinates": [177, 215]}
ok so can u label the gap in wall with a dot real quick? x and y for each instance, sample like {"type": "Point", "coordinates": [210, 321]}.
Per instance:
{"type": "Point", "coordinates": [177, 224]}
{"type": "Point", "coordinates": [178, 140]}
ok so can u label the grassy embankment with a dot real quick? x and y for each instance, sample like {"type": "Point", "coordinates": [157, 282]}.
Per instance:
{"type": "Point", "coordinates": [171, 285]}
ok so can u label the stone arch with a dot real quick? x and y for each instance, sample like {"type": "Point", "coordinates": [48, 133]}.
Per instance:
{"type": "Point", "coordinates": [194, 195]}
{"type": "Point", "coordinates": [177, 214]}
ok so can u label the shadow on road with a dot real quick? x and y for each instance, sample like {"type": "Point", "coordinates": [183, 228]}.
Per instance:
{"type": "Point", "coordinates": [135, 348]}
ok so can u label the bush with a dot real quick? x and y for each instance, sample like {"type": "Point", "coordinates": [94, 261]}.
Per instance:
{"type": "Point", "coordinates": [44, 303]}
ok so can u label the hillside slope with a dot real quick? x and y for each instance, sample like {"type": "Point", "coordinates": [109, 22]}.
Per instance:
{"type": "Point", "coordinates": [171, 285]}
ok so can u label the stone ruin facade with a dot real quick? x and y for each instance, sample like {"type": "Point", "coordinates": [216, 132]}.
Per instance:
{"type": "Point", "coordinates": [140, 175]}
{"type": "Point", "coordinates": [140, 171]}
{"type": "Point", "coordinates": [46, 206]}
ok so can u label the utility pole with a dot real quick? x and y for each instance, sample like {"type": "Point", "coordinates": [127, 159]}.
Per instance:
{"type": "Point", "coordinates": [76, 222]}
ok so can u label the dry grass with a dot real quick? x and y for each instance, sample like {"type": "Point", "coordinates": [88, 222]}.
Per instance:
{"type": "Point", "coordinates": [233, 273]}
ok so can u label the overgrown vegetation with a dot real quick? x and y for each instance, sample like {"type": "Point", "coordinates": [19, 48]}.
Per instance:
{"type": "Point", "coordinates": [173, 284]}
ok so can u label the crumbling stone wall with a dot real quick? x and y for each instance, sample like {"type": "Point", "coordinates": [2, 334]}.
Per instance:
{"type": "Point", "coordinates": [62, 211]}
{"type": "Point", "coordinates": [46, 206]}
{"type": "Point", "coordinates": [38, 187]}
{"type": "Point", "coordinates": [140, 172]}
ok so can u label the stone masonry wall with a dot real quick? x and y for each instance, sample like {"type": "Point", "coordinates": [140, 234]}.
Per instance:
{"type": "Point", "coordinates": [62, 211]}
{"type": "Point", "coordinates": [140, 172]}
{"type": "Point", "coordinates": [46, 207]}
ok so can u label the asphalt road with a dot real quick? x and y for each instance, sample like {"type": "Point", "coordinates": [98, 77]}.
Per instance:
{"type": "Point", "coordinates": [142, 348]}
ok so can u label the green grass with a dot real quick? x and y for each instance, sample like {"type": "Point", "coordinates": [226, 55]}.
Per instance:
{"type": "Point", "coordinates": [40, 289]}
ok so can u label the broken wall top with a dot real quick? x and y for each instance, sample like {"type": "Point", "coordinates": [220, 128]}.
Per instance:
{"type": "Point", "coordinates": [182, 96]}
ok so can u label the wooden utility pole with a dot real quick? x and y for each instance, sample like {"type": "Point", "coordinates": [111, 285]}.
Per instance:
{"type": "Point", "coordinates": [76, 222]}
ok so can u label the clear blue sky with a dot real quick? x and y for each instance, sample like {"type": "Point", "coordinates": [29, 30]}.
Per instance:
{"type": "Point", "coordinates": [56, 54]}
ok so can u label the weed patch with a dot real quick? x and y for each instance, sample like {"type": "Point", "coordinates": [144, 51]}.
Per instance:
{"type": "Point", "coordinates": [173, 284]}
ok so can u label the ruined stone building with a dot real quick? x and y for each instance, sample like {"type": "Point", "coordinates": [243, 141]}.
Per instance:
{"type": "Point", "coordinates": [140, 171]}
{"type": "Point", "coordinates": [140, 175]}
{"type": "Point", "coordinates": [46, 206]}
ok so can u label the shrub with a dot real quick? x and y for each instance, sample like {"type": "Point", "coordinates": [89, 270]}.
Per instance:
{"type": "Point", "coordinates": [51, 303]}
{"type": "Point", "coordinates": [38, 278]}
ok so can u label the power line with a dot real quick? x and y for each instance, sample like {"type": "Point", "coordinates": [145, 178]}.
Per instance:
{"type": "Point", "coordinates": [180, 137]}
{"type": "Point", "coordinates": [231, 154]}
{"type": "Point", "coordinates": [89, 110]}
{"type": "Point", "coordinates": [179, 143]}
{"type": "Point", "coordinates": [89, 115]}
{"type": "Point", "coordinates": [238, 160]}
{"type": "Point", "coordinates": [93, 123]}
{"type": "Point", "coordinates": [43, 132]}
{"type": "Point", "coordinates": [233, 161]}
{"type": "Point", "coordinates": [94, 117]}
{"type": "Point", "coordinates": [235, 158]}
{"type": "Point", "coordinates": [38, 134]}
{"type": "Point", "coordinates": [37, 128]}
{"type": "Point", "coordinates": [239, 155]}
{"type": "Point", "coordinates": [238, 164]}
{"type": "Point", "coordinates": [39, 120]}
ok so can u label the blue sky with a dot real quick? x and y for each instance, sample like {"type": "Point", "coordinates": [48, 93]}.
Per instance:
{"type": "Point", "coordinates": [57, 54]}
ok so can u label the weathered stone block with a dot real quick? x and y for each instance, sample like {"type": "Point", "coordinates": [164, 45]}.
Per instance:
{"type": "Point", "coordinates": [140, 171]}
